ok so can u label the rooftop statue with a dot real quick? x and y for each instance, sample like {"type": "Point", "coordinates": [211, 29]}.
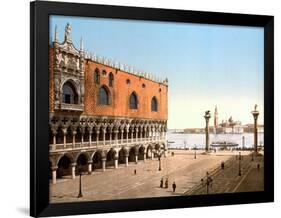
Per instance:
{"type": "Point", "coordinates": [67, 33]}
{"type": "Point", "coordinates": [256, 106]}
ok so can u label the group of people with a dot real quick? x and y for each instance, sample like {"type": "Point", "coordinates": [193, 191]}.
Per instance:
{"type": "Point", "coordinates": [174, 186]}
{"type": "Point", "coordinates": [167, 184]}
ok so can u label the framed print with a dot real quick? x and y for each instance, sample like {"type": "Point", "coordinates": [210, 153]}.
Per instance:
{"type": "Point", "coordinates": [143, 109]}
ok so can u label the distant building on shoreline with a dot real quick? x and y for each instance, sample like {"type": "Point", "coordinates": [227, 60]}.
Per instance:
{"type": "Point", "coordinates": [228, 126]}
{"type": "Point", "coordinates": [249, 128]}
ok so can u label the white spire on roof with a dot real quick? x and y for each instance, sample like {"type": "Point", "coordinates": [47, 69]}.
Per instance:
{"type": "Point", "coordinates": [56, 34]}
{"type": "Point", "coordinates": [81, 44]}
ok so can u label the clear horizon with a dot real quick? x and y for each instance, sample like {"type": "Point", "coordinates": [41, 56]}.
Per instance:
{"type": "Point", "coordinates": [206, 65]}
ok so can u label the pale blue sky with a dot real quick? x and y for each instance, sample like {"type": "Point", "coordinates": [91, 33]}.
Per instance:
{"type": "Point", "coordinates": [206, 65]}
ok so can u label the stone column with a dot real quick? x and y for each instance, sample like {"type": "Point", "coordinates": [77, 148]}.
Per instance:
{"type": "Point", "coordinates": [207, 118]}
{"type": "Point", "coordinates": [144, 134]}
{"type": "Point", "coordinates": [137, 130]}
{"type": "Point", "coordinates": [127, 135]}
{"type": "Point", "coordinates": [82, 135]}
{"type": "Point", "coordinates": [141, 134]}
{"type": "Point", "coordinates": [54, 132]}
{"type": "Point", "coordinates": [64, 137]}
{"type": "Point", "coordinates": [255, 115]}
{"type": "Point", "coordinates": [127, 160]}
{"type": "Point", "coordinates": [103, 135]}
{"type": "Point", "coordinates": [97, 139]}
{"type": "Point", "coordinates": [132, 134]}
{"type": "Point", "coordinates": [54, 175]}
{"type": "Point", "coordinates": [156, 133]}
{"type": "Point", "coordinates": [116, 136]}
{"type": "Point", "coordinates": [110, 136]}
{"type": "Point", "coordinates": [116, 162]}
{"type": "Point", "coordinates": [103, 164]}
{"type": "Point", "coordinates": [144, 157]}
{"type": "Point", "coordinates": [73, 165]}
{"type": "Point", "coordinates": [90, 167]}
{"type": "Point", "coordinates": [90, 137]}
{"type": "Point", "coordinates": [122, 131]}
{"type": "Point", "coordinates": [73, 138]}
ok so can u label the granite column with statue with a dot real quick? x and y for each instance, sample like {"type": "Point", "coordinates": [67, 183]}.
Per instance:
{"type": "Point", "coordinates": [207, 118]}
{"type": "Point", "coordinates": [255, 114]}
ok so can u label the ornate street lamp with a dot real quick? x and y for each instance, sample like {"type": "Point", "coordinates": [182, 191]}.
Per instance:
{"type": "Point", "coordinates": [207, 117]}
{"type": "Point", "coordinates": [159, 154]}
{"type": "Point", "coordinates": [80, 195]}
{"type": "Point", "coordinates": [239, 159]}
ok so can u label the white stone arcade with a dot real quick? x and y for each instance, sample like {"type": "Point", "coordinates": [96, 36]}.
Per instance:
{"type": "Point", "coordinates": [89, 143]}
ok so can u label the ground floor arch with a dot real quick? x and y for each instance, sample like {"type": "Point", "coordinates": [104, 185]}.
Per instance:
{"type": "Point", "coordinates": [122, 156]}
{"type": "Point", "coordinates": [64, 166]}
{"type": "Point", "coordinates": [141, 153]}
{"type": "Point", "coordinates": [82, 163]}
{"type": "Point", "coordinates": [110, 157]}
{"type": "Point", "coordinates": [97, 160]}
{"type": "Point", "coordinates": [132, 154]}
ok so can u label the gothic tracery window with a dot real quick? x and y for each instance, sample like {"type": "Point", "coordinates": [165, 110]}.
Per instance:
{"type": "Point", "coordinates": [69, 95]}
{"type": "Point", "coordinates": [110, 80]}
{"type": "Point", "coordinates": [154, 104]}
{"type": "Point", "coordinates": [97, 76]}
{"type": "Point", "coordinates": [103, 97]}
{"type": "Point", "coordinates": [133, 101]}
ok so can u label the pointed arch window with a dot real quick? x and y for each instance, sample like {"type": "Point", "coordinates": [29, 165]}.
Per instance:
{"type": "Point", "coordinates": [154, 104]}
{"type": "Point", "coordinates": [97, 76]}
{"type": "Point", "coordinates": [69, 95]}
{"type": "Point", "coordinates": [133, 101]}
{"type": "Point", "coordinates": [110, 80]}
{"type": "Point", "coordinates": [103, 96]}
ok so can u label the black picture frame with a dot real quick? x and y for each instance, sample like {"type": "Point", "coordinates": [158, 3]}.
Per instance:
{"type": "Point", "coordinates": [39, 110]}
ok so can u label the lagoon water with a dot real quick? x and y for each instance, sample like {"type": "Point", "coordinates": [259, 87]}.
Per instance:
{"type": "Point", "coordinates": [190, 140]}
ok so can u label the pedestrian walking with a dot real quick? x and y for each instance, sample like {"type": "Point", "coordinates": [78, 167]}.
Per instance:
{"type": "Point", "coordinates": [258, 166]}
{"type": "Point", "coordinates": [174, 186]}
{"type": "Point", "coordinates": [222, 165]}
{"type": "Point", "coordinates": [166, 183]}
{"type": "Point", "coordinates": [161, 183]}
{"type": "Point", "coordinates": [135, 172]}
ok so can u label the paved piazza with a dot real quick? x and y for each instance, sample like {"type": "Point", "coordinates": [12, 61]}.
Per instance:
{"type": "Point", "coordinates": [182, 168]}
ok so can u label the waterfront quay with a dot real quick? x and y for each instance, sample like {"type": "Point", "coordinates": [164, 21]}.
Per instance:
{"type": "Point", "coordinates": [186, 169]}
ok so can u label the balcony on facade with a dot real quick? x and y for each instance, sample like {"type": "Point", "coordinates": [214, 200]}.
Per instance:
{"type": "Point", "coordinates": [103, 144]}
{"type": "Point", "coordinates": [72, 107]}
{"type": "Point", "coordinates": [70, 133]}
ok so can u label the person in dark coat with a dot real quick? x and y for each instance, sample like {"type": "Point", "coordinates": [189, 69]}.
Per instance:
{"type": "Point", "coordinates": [135, 172]}
{"type": "Point", "coordinates": [174, 186]}
{"type": "Point", "coordinates": [161, 183]}
{"type": "Point", "coordinates": [166, 183]}
{"type": "Point", "coordinates": [222, 165]}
